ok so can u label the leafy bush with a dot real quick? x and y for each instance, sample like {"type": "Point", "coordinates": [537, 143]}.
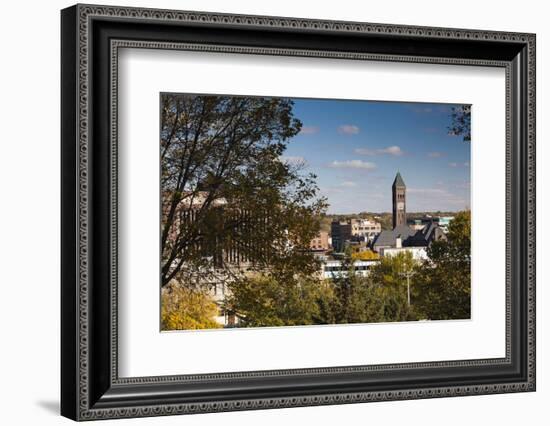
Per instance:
{"type": "Point", "coordinates": [187, 309]}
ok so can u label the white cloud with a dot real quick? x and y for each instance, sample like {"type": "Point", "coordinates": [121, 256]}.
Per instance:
{"type": "Point", "coordinates": [353, 164]}
{"type": "Point", "coordinates": [435, 154]}
{"type": "Point", "coordinates": [390, 150]}
{"type": "Point", "coordinates": [293, 160]}
{"type": "Point", "coordinates": [348, 129]}
{"type": "Point", "coordinates": [348, 184]}
{"type": "Point", "coordinates": [309, 130]}
{"type": "Point", "coordinates": [429, 196]}
{"type": "Point", "coordinates": [454, 164]}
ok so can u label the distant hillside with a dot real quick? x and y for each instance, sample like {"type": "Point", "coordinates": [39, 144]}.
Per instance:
{"type": "Point", "coordinates": [385, 218]}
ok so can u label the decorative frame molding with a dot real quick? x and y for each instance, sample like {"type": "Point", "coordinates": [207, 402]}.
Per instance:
{"type": "Point", "coordinates": [91, 37]}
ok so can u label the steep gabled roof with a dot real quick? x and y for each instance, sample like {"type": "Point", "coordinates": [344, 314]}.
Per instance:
{"type": "Point", "coordinates": [429, 229]}
{"type": "Point", "coordinates": [409, 237]}
{"type": "Point", "coordinates": [399, 181]}
{"type": "Point", "coordinates": [388, 237]}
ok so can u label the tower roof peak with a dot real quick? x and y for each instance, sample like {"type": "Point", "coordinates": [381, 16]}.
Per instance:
{"type": "Point", "coordinates": [398, 181]}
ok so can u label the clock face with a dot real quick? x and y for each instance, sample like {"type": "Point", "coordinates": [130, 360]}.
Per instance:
{"type": "Point", "coordinates": [400, 205]}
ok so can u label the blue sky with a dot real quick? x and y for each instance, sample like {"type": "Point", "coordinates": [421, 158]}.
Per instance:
{"type": "Point", "coordinates": [356, 147]}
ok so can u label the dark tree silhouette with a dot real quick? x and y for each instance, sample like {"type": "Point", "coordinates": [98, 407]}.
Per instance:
{"type": "Point", "coordinates": [226, 195]}
{"type": "Point", "coordinates": [461, 122]}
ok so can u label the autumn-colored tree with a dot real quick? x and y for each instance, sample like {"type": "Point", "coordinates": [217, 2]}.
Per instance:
{"type": "Point", "coordinates": [444, 281]}
{"type": "Point", "coordinates": [225, 188]}
{"type": "Point", "coordinates": [365, 255]}
{"type": "Point", "coordinates": [183, 308]}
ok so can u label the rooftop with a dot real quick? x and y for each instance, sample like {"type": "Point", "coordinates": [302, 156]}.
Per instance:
{"type": "Point", "coordinates": [399, 182]}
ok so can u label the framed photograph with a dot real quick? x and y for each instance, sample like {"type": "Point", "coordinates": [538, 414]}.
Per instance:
{"type": "Point", "coordinates": [263, 212]}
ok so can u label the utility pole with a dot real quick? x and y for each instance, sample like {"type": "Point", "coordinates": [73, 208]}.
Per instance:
{"type": "Point", "coordinates": [408, 274]}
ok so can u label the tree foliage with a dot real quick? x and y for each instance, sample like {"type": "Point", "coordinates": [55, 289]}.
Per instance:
{"type": "Point", "coordinates": [267, 300]}
{"type": "Point", "coordinates": [356, 297]}
{"type": "Point", "coordinates": [389, 277]}
{"type": "Point", "coordinates": [461, 117]}
{"type": "Point", "coordinates": [229, 198]}
{"type": "Point", "coordinates": [224, 186]}
{"type": "Point", "coordinates": [183, 308]}
{"type": "Point", "coordinates": [444, 281]}
{"type": "Point", "coordinates": [440, 289]}
{"type": "Point", "coordinates": [379, 297]}
{"type": "Point", "coordinates": [365, 255]}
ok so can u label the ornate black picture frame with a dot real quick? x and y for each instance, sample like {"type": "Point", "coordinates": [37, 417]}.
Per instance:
{"type": "Point", "coordinates": [91, 388]}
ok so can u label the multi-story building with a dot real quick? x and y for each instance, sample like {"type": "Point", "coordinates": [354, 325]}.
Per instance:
{"type": "Point", "coordinates": [214, 258]}
{"type": "Point", "coordinates": [353, 231]}
{"type": "Point", "coordinates": [365, 228]}
{"type": "Point", "coordinates": [320, 243]}
{"type": "Point", "coordinates": [340, 232]}
{"type": "Point", "coordinates": [335, 268]}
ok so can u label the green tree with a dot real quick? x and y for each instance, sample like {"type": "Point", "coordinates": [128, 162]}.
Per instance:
{"type": "Point", "coordinates": [264, 300]}
{"type": "Point", "coordinates": [225, 188]}
{"type": "Point", "coordinates": [187, 309]}
{"type": "Point", "coordinates": [444, 281]}
{"type": "Point", "coordinates": [379, 297]}
{"type": "Point", "coordinates": [351, 301]}
{"type": "Point", "coordinates": [389, 279]}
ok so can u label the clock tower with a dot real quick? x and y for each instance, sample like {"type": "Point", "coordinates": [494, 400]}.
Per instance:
{"type": "Point", "coordinates": [399, 201]}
